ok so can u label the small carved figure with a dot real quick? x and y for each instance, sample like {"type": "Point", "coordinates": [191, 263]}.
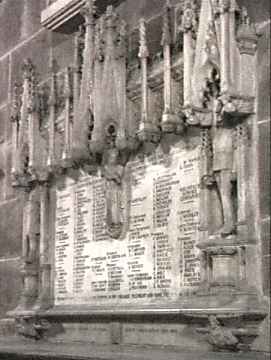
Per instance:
{"type": "Point", "coordinates": [220, 337]}
{"type": "Point", "coordinates": [189, 16]}
{"type": "Point", "coordinates": [31, 328]}
{"type": "Point", "coordinates": [113, 172]}
{"type": "Point", "coordinates": [223, 173]}
{"type": "Point", "coordinates": [31, 255]}
{"type": "Point", "coordinates": [222, 168]}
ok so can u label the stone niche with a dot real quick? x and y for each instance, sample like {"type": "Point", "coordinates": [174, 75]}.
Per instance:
{"type": "Point", "coordinates": [136, 170]}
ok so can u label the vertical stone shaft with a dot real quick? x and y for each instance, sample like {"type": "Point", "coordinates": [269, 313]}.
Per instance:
{"type": "Point", "coordinates": [33, 124]}
{"type": "Point", "coordinates": [44, 225]}
{"type": "Point", "coordinates": [89, 49]}
{"type": "Point", "coordinates": [232, 41]}
{"type": "Point", "coordinates": [241, 173]}
{"type": "Point", "coordinates": [76, 78]}
{"type": "Point", "coordinates": [52, 115]}
{"type": "Point", "coordinates": [30, 249]}
{"type": "Point", "coordinates": [205, 165]}
{"type": "Point", "coordinates": [26, 226]}
{"type": "Point", "coordinates": [67, 124]}
{"type": "Point", "coordinates": [166, 41]}
{"type": "Point", "coordinates": [122, 75]}
{"type": "Point", "coordinates": [188, 67]}
{"type": "Point", "coordinates": [143, 55]}
{"type": "Point", "coordinates": [85, 102]}
{"type": "Point", "coordinates": [225, 45]}
{"type": "Point", "coordinates": [15, 125]}
{"type": "Point", "coordinates": [45, 268]}
{"type": "Point", "coordinates": [14, 145]}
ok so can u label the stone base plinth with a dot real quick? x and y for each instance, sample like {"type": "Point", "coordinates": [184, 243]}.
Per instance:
{"type": "Point", "coordinates": [15, 349]}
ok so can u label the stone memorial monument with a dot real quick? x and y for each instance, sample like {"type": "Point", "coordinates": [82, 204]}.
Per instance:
{"type": "Point", "coordinates": [135, 167]}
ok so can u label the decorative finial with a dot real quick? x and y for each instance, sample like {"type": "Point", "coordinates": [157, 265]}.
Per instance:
{"type": "Point", "coordinates": [189, 16]}
{"type": "Point", "coordinates": [143, 49]}
{"type": "Point", "coordinates": [122, 39]}
{"type": "Point", "coordinates": [67, 83]}
{"type": "Point", "coordinates": [225, 5]}
{"type": "Point", "coordinates": [110, 17]}
{"type": "Point", "coordinates": [28, 69]}
{"type": "Point", "coordinates": [15, 102]}
{"type": "Point", "coordinates": [89, 12]}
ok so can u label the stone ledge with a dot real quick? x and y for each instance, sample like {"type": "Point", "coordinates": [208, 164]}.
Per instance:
{"type": "Point", "coordinates": [59, 14]}
{"type": "Point", "coordinates": [19, 349]}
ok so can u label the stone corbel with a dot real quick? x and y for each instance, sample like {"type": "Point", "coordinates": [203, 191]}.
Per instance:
{"type": "Point", "coordinates": [229, 337]}
{"type": "Point", "coordinates": [234, 106]}
{"type": "Point", "coordinates": [31, 328]}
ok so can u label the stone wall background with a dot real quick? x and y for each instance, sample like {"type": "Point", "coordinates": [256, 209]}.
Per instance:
{"type": "Point", "coordinates": [22, 36]}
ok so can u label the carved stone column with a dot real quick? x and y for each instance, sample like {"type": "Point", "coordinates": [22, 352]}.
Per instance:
{"type": "Point", "coordinates": [52, 115]}
{"type": "Point", "coordinates": [189, 23]}
{"type": "Point", "coordinates": [241, 137]}
{"type": "Point", "coordinates": [205, 174]}
{"type": "Point", "coordinates": [225, 70]}
{"type": "Point", "coordinates": [44, 298]}
{"type": "Point", "coordinates": [15, 118]}
{"type": "Point", "coordinates": [148, 132]}
{"type": "Point", "coordinates": [170, 121]}
{"type": "Point", "coordinates": [66, 155]}
{"type": "Point", "coordinates": [30, 249]}
{"type": "Point", "coordinates": [247, 43]}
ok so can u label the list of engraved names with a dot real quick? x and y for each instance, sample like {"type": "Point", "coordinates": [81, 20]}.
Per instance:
{"type": "Point", "coordinates": [155, 259]}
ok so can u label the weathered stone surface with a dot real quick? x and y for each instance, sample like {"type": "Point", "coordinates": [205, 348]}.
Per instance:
{"type": "Point", "coordinates": [10, 191]}
{"type": "Point", "coordinates": [264, 168]}
{"type": "Point", "coordinates": [63, 50]}
{"type": "Point", "coordinates": [18, 20]}
{"type": "Point", "coordinates": [258, 13]}
{"type": "Point", "coordinates": [2, 172]}
{"type": "Point", "coordinates": [266, 274]}
{"type": "Point", "coordinates": [132, 11]}
{"type": "Point", "coordinates": [10, 284]}
{"type": "Point", "coordinates": [10, 24]}
{"type": "Point", "coordinates": [265, 236]}
{"type": "Point", "coordinates": [84, 332]}
{"type": "Point", "coordinates": [10, 228]}
{"type": "Point", "coordinates": [4, 123]}
{"type": "Point", "coordinates": [9, 350]}
{"type": "Point", "coordinates": [4, 81]}
{"type": "Point", "coordinates": [263, 66]}
{"type": "Point", "coordinates": [36, 49]}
